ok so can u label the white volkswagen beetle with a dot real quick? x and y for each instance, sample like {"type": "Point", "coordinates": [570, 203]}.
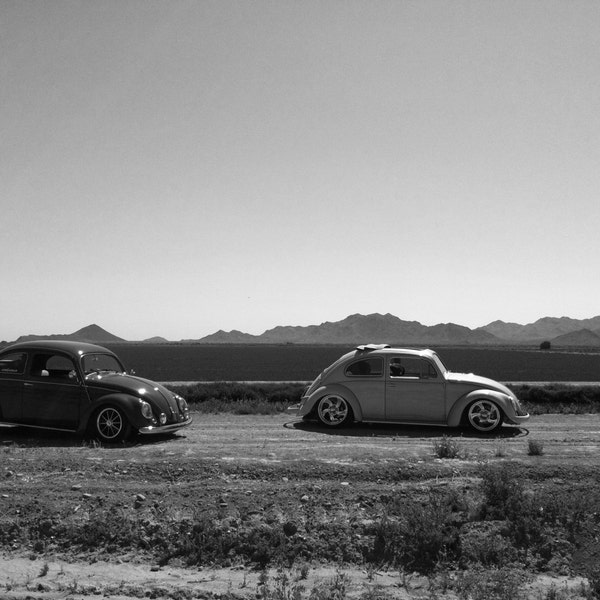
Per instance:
{"type": "Point", "coordinates": [378, 383]}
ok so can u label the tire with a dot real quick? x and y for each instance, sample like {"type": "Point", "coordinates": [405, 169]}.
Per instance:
{"type": "Point", "coordinates": [484, 416]}
{"type": "Point", "coordinates": [111, 425]}
{"type": "Point", "coordinates": [334, 411]}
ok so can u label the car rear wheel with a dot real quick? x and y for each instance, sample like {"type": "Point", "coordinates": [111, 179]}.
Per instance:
{"type": "Point", "coordinates": [484, 416]}
{"type": "Point", "coordinates": [334, 411]}
{"type": "Point", "coordinates": [111, 425]}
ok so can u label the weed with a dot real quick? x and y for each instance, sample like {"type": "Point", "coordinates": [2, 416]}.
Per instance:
{"type": "Point", "coordinates": [447, 447]}
{"type": "Point", "coordinates": [284, 587]}
{"type": "Point", "coordinates": [304, 571]}
{"type": "Point", "coordinates": [535, 448]}
{"type": "Point", "coordinates": [554, 593]}
{"type": "Point", "coordinates": [593, 577]}
{"type": "Point", "coordinates": [500, 450]}
{"type": "Point", "coordinates": [419, 538]}
{"type": "Point", "coordinates": [331, 590]}
{"type": "Point", "coordinates": [490, 584]}
{"type": "Point", "coordinates": [502, 490]}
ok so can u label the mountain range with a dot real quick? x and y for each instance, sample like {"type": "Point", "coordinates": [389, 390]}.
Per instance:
{"type": "Point", "coordinates": [354, 329]}
{"type": "Point", "coordinates": [388, 328]}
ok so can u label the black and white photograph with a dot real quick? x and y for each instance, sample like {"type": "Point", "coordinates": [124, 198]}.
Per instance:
{"type": "Point", "coordinates": [300, 299]}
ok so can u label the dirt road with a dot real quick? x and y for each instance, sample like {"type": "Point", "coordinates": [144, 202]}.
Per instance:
{"type": "Point", "coordinates": [565, 439]}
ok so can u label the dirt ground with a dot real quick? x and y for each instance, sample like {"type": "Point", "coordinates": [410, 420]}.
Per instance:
{"type": "Point", "coordinates": [239, 465]}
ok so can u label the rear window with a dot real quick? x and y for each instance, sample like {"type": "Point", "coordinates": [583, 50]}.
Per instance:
{"type": "Point", "coordinates": [13, 364]}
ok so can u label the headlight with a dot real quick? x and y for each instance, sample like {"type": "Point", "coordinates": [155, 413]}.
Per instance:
{"type": "Point", "coordinates": [181, 402]}
{"type": "Point", "coordinates": [146, 409]}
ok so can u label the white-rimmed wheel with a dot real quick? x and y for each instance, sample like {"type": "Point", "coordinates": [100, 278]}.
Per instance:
{"type": "Point", "coordinates": [111, 425]}
{"type": "Point", "coordinates": [484, 416]}
{"type": "Point", "coordinates": [333, 410]}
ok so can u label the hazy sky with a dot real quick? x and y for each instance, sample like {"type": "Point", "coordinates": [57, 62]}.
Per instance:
{"type": "Point", "coordinates": [177, 167]}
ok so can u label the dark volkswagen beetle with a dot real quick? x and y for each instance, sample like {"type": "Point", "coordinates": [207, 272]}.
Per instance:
{"type": "Point", "coordinates": [83, 388]}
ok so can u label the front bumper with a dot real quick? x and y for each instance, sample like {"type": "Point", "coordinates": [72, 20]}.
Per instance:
{"type": "Point", "coordinates": [158, 429]}
{"type": "Point", "coordinates": [293, 409]}
{"type": "Point", "coordinates": [517, 419]}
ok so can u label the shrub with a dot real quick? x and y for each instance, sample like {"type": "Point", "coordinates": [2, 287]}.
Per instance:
{"type": "Point", "coordinates": [535, 448]}
{"type": "Point", "coordinates": [558, 398]}
{"type": "Point", "coordinates": [502, 491]}
{"type": "Point", "coordinates": [490, 584]}
{"type": "Point", "coordinates": [421, 536]}
{"type": "Point", "coordinates": [240, 398]}
{"type": "Point", "coordinates": [447, 447]}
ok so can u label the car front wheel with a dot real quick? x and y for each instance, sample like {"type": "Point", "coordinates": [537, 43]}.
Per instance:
{"type": "Point", "coordinates": [111, 425]}
{"type": "Point", "coordinates": [484, 416]}
{"type": "Point", "coordinates": [334, 411]}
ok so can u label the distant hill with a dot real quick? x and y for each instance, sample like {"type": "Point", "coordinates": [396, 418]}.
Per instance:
{"type": "Point", "coordinates": [358, 329]}
{"type": "Point", "coordinates": [390, 329]}
{"type": "Point", "coordinates": [157, 339]}
{"type": "Point", "coordinates": [355, 329]}
{"type": "Point", "coordinates": [223, 337]}
{"type": "Point", "coordinates": [545, 329]}
{"type": "Point", "coordinates": [580, 338]}
{"type": "Point", "coordinates": [92, 334]}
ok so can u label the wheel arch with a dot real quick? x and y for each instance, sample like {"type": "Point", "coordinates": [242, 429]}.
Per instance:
{"type": "Point", "coordinates": [457, 412]}
{"type": "Point", "coordinates": [125, 402]}
{"type": "Point", "coordinates": [326, 390]}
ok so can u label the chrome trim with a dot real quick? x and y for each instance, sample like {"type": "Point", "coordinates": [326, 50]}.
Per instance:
{"type": "Point", "coordinates": [155, 429]}
{"type": "Point", "coordinates": [28, 426]}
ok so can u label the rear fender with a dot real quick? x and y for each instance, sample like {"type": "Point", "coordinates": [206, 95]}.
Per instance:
{"type": "Point", "coordinates": [457, 411]}
{"type": "Point", "coordinates": [310, 404]}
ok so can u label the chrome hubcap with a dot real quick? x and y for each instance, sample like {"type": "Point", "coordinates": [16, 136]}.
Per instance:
{"type": "Point", "coordinates": [333, 410]}
{"type": "Point", "coordinates": [484, 415]}
{"type": "Point", "coordinates": [109, 423]}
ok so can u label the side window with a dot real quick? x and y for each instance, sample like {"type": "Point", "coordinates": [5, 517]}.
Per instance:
{"type": "Point", "coordinates": [367, 367]}
{"type": "Point", "coordinates": [13, 364]}
{"type": "Point", "coordinates": [54, 367]}
{"type": "Point", "coordinates": [412, 367]}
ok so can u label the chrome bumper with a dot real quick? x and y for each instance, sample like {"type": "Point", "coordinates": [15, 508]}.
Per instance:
{"type": "Point", "coordinates": [157, 429]}
{"type": "Point", "coordinates": [517, 419]}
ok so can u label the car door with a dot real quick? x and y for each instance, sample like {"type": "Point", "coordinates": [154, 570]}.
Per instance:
{"type": "Point", "coordinates": [52, 392]}
{"type": "Point", "coordinates": [12, 369]}
{"type": "Point", "coordinates": [415, 391]}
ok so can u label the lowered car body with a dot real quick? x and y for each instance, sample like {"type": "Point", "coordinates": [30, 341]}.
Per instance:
{"type": "Point", "coordinates": [378, 383]}
{"type": "Point", "coordinates": [83, 388]}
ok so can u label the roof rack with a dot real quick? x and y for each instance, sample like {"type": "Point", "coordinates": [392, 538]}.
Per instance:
{"type": "Point", "coordinates": [371, 347]}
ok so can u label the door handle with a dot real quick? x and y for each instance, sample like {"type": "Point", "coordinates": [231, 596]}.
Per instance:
{"type": "Point", "coordinates": [28, 385]}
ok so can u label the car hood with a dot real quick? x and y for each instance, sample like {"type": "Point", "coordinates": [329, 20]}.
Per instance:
{"type": "Point", "coordinates": [136, 386]}
{"type": "Point", "coordinates": [477, 382]}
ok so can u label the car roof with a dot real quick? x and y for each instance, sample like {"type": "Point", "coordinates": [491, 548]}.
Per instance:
{"type": "Point", "coordinates": [387, 349]}
{"type": "Point", "coordinates": [72, 347]}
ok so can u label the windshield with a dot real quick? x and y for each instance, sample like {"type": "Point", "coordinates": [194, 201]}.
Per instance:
{"type": "Point", "coordinates": [100, 363]}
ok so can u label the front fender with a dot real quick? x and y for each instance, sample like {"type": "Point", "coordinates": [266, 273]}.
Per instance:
{"type": "Point", "coordinates": [456, 412]}
{"type": "Point", "coordinates": [130, 405]}
{"type": "Point", "coordinates": [309, 403]}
